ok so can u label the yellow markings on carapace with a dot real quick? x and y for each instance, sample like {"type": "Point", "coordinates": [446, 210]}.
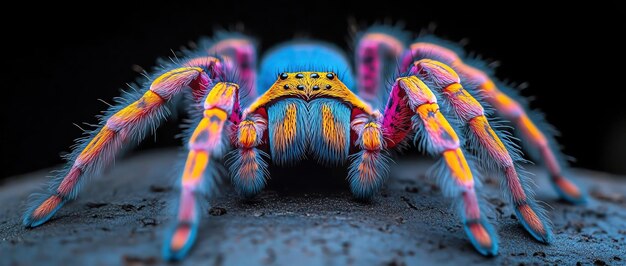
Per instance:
{"type": "Point", "coordinates": [308, 86]}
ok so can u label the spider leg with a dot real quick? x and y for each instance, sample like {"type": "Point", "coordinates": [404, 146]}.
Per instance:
{"type": "Point", "coordinates": [370, 166]}
{"type": "Point", "coordinates": [512, 110]}
{"type": "Point", "coordinates": [124, 124]}
{"type": "Point", "coordinates": [207, 142]}
{"type": "Point", "coordinates": [484, 140]}
{"type": "Point", "coordinates": [505, 105]}
{"type": "Point", "coordinates": [409, 94]}
{"type": "Point", "coordinates": [247, 166]}
{"type": "Point", "coordinates": [240, 51]}
{"type": "Point", "coordinates": [377, 53]}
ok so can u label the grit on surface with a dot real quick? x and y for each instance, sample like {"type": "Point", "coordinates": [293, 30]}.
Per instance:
{"type": "Point", "coordinates": [120, 218]}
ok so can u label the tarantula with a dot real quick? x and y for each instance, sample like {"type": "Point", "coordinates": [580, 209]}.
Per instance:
{"type": "Point", "coordinates": [302, 104]}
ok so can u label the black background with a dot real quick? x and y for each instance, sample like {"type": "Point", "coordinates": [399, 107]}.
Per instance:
{"type": "Point", "coordinates": [63, 61]}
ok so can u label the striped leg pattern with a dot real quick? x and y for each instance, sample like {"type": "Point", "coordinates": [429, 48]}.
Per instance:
{"type": "Point", "coordinates": [208, 142]}
{"type": "Point", "coordinates": [480, 84]}
{"type": "Point", "coordinates": [438, 138]}
{"type": "Point", "coordinates": [492, 151]}
{"type": "Point", "coordinates": [370, 165]}
{"type": "Point", "coordinates": [123, 124]}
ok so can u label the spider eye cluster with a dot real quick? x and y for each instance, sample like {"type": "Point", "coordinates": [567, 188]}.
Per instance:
{"type": "Point", "coordinates": [312, 76]}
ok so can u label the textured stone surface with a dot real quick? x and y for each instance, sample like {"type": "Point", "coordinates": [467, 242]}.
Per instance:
{"type": "Point", "coordinates": [307, 217]}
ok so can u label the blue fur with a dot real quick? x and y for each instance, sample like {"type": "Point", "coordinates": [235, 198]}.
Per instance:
{"type": "Point", "coordinates": [321, 149]}
{"type": "Point", "coordinates": [237, 161]}
{"type": "Point", "coordinates": [378, 163]}
{"type": "Point", "coordinates": [304, 55]}
{"type": "Point", "coordinates": [296, 150]}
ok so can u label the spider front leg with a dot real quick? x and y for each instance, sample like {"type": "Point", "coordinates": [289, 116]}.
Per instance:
{"type": "Point", "coordinates": [207, 142]}
{"type": "Point", "coordinates": [370, 166]}
{"type": "Point", "coordinates": [247, 167]}
{"type": "Point", "coordinates": [125, 123]}
{"type": "Point", "coordinates": [492, 151]}
{"type": "Point", "coordinates": [412, 102]}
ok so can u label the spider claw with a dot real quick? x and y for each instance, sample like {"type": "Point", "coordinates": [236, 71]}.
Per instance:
{"type": "Point", "coordinates": [568, 191]}
{"type": "Point", "coordinates": [179, 241]}
{"type": "Point", "coordinates": [41, 212]}
{"type": "Point", "coordinates": [534, 223]}
{"type": "Point", "coordinates": [482, 237]}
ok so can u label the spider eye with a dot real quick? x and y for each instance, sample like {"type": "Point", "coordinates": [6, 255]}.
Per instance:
{"type": "Point", "coordinates": [328, 86]}
{"type": "Point", "coordinates": [315, 75]}
{"type": "Point", "coordinates": [283, 76]}
{"type": "Point", "coordinates": [300, 87]}
{"type": "Point", "coordinates": [316, 87]}
{"type": "Point", "coordinates": [286, 86]}
{"type": "Point", "coordinates": [330, 76]}
{"type": "Point", "coordinates": [299, 76]}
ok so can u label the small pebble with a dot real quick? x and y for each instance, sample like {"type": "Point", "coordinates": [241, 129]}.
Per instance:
{"type": "Point", "coordinates": [217, 211]}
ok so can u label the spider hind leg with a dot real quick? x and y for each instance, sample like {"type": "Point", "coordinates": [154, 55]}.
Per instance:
{"type": "Point", "coordinates": [506, 102]}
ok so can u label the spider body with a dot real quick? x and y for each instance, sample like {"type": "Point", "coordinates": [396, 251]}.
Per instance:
{"type": "Point", "coordinates": [305, 103]}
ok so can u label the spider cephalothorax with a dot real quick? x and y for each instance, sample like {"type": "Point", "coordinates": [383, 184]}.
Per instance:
{"type": "Point", "coordinates": [303, 106]}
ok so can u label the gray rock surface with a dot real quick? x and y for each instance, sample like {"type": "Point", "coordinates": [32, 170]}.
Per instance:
{"type": "Point", "coordinates": [120, 219]}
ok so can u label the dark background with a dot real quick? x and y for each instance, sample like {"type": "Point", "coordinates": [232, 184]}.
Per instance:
{"type": "Point", "coordinates": [65, 60]}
